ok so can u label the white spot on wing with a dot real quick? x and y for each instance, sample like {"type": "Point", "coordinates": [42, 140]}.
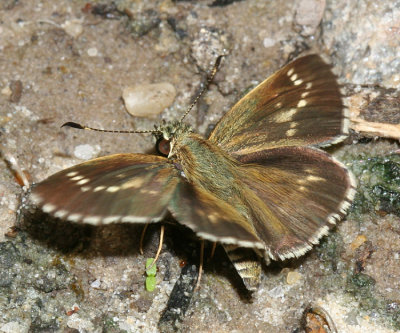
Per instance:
{"type": "Point", "coordinates": [133, 183]}
{"type": "Point", "coordinates": [111, 219]}
{"type": "Point", "coordinates": [283, 117]}
{"type": "Point", "coordinates": [60, 213]}
{"type": "Point", "coordinates": [231, 240]}
{"type": "Point", "coordinates": [113, 189]}
{"type": "Point", "coordinates": [76, 178]}
{"type": "Point", "coordinates": [83, 181]}
{"type": "Point", "coordinates": [72, 174]}
{"type": "Point", "coordinates": [302, 103]}
{"type": "Point", "coordinates": [92, 219]}
{"type": "Point", "coordinates": [290, 72]}
{"type": "Point", "coordinates": [48, 208]}
{"type": "Point", "coordinates": [291, 132]}
{"type": "Point", "coordinates": [136, 219]}
{"type": "Point", "coordinates": [99, 188]}
{"type": "Point", "coordinates": [36, 198]}
{"type": "Point", "coordinates": [74, 217]}
{"type": "Point", "coordinates": [298, 82]}
{"type": "Point", "coordinates": [312, 178]}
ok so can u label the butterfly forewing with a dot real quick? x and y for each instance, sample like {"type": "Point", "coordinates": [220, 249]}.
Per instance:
{"type": "Point", "coordinates": [298, 194]}
{"type": "Point", "coordinates": [115, 188]}
{"type": "Point", "coordinates": [298, 105]}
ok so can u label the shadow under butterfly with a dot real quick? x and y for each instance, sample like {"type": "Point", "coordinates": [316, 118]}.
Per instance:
{"type": "Point", "coordinates": [259, 185]}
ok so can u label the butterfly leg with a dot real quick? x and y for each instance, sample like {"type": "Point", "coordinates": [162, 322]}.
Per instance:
{"type": "Point", "coordinates": [160, 243]}
{"type": "Point", "coordinates": [159, 247]}
{"type": "Point", "coordinates": [200, 265]}
{"type": "Point", "coordinates": [213, 250]}
{"type": "Point", "coordinates": [142, 238]}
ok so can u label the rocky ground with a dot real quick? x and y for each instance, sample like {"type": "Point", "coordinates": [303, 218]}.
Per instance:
{"type": "Point", "coordinates": [72, 61]}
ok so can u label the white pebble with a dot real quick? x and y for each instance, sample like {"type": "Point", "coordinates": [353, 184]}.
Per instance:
{"type": "Point", "coordinates": [84, 152]}
{"type": "Point", "coordinates": [95, 284]}
{"type": "Point", "coordinates": [6, 91]}
{"type": "Point", "coordinates": [92, 52]}
{"type": "Point", "coordinates": [74, 27]}
{"type": "Point", "coordinates": [293, 277]}
{"type": "Point", "coordinates": [148, 100]}
{"type": "Point", "coordinates": [269, 42]}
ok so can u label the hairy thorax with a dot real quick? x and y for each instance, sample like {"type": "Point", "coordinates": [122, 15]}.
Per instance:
{"type": "Point", "coordinates": [206, 165]}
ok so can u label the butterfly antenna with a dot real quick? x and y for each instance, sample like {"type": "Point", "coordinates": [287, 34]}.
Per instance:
{"type": "Point", "coordinates": [83, 127]}
{"type": "Point", "coordinates": [205, 88]}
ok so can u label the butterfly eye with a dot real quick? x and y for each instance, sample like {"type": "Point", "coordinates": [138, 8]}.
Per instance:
{"type": "Point", "coordinates": [163, 146]}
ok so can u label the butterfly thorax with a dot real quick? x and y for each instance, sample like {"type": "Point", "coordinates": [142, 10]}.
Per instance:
{"type": "Point", "coordinates": [203, 163]}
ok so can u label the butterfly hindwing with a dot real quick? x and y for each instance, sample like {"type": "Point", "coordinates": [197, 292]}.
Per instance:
{"type": "Point", "coordinates": [298, 194]}
{"type": "Point", "coordinates": [211, 218]}
{"type": "Point", "coordinates": [116, 188]}
{"type": "Point", "coordinates": [298, 105]}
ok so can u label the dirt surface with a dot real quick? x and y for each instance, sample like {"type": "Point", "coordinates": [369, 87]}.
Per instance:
{"type": "Point", "coordinates": [71, 60]}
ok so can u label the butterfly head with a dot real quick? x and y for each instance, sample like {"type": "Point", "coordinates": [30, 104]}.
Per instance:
{"type": "Point", "coordinates": [167, 134]}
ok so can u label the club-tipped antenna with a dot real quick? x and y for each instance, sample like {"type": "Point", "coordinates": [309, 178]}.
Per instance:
{"type": "Point", "coordinates": [205, 88]}
{"type": "Point", "coordinates": [79, 126]}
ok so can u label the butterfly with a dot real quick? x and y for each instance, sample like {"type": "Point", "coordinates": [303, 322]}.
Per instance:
{"type": "Point", "coordinates": [258, 184]}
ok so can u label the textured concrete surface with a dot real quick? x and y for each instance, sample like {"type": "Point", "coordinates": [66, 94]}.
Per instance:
{"type": "Point", "coordinates": [70, 61]}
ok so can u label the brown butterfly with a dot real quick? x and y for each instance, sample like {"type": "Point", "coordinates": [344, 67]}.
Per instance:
{"type": "Point", "coordinates": [259, 181]}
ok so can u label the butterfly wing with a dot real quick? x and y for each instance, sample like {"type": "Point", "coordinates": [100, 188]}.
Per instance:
{"type": "Point", "coordinates": [116, 188]}
{"type": "Point", "coordinates": [296, 195]}
{"type": "Point", "coordinates": [211, 218]}
{"type": "Point", "coordinates": [139, 188]}
{"type": "Point", "coordinates": [298, 105]}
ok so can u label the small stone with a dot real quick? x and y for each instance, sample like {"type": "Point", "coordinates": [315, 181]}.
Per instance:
{"type": "Point", "coordinates": [269, 42]}
{"type": "Point", "coordinates": [74, 27]}
{"type": "Point", "coordinates": [360, 239]}
{"type": "Point", "coordinates": [92, 52]}
{"type": "Point", "coordinates": [148, 100]}
{"type": "Point", "coordinates": [13, 327]}
{"type": "Point", "coordinates": [6, 91]}
{"type": "Point", "coordinates": [293, 277]}
{"type": "Point", "coordinates": [309, 14]}
{"type": "Point", "coordinates": [96, 284]}
{"type": "Point", "coordinates": [84, 152]}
